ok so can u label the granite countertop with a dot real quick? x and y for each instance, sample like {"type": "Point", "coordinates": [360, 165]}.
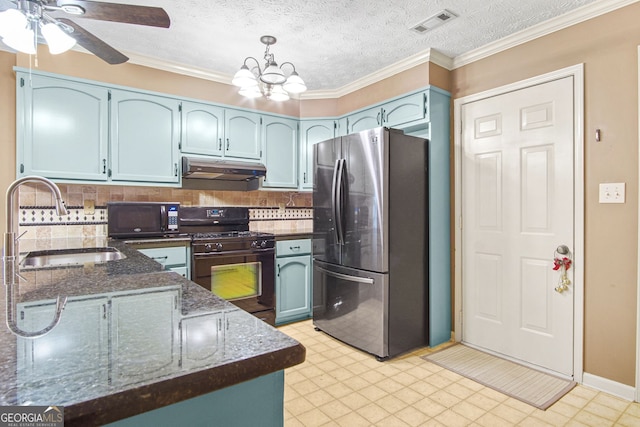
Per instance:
{"type": "Point", "coordinates": [131, 339]}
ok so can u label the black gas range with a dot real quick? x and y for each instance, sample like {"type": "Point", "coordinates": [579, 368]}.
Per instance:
{"type": "Point", "coordinates": [229, 260]}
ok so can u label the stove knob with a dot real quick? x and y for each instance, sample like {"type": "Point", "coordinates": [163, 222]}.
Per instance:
{"type": "Point", "coordinates": [218, 246]}
{"type": "Point", "coordinates": [263, 244]}
{"type": "Point", "coordinates": [207, 247]}
{"type": "Point", "coordinates": [254, 244]}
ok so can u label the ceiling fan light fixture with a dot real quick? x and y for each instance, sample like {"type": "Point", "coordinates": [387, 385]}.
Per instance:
{"type": "Point", "coordinates": [274, 84]}
{"type": "Point", "coordinates": [11, 20]}
{"type": "Point", "coordinates": [23, 41]}
{"type": "Point", "coordinates": [57, 39]}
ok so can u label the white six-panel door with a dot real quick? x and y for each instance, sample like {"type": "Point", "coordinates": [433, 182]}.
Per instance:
{"type": "Point", "coordinates": [517, 208]}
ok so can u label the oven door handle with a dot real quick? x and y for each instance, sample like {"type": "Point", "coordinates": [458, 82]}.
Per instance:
{"type": "Point", "coordinates": [223, 253]}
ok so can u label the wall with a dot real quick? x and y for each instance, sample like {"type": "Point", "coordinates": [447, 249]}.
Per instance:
{"type": "Point", "coordinates": [607, 46]}
{"type": "Point", "coordinates": [7, 128]}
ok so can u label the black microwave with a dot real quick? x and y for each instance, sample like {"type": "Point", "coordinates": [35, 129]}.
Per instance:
{"type": "Point", "coordinates": [142, 219]}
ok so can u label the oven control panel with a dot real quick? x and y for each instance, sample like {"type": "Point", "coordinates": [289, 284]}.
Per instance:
{"type": "Point", "coordinates": [215, 213]}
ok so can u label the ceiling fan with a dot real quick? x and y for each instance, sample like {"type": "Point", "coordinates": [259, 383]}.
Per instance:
{"type": "Point", "coordinates": [42, 13]}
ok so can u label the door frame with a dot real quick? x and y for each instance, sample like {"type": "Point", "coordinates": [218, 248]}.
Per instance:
{"type": "Point", "coordinates": [577, 72]}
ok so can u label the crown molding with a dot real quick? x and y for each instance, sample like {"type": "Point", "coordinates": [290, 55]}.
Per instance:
{"type": "Point", "coordinates": [576, 16]}
{"type": "Point", "coordinates": [429, 55]}
{"type": "Point", "coordinates": [174, 67]}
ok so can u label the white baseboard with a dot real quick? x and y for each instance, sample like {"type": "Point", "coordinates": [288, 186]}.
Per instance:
{"type": "Point", "coordinates": [623, 391]}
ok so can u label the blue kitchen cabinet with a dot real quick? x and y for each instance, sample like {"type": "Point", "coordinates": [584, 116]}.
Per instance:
{"type": "Point", "coordinates": [174, 258]}
{"type": "Point", "coordinates": [62, 128]}
{"type": "Point", "coordinates": [406, 109]}
{"type": "Point", "coordinates": [145, 130]}
{"type": "Point", "coordinates": [242, 131]}
{"type": "Point", "coordinates": [202, 129]}
{"type": "Point", "coordinates": [293, 280]}
{"type": "Point", "coordinates": [364, 120]}
{"type": "Point", "coordinates": [280, 137]}
{"type": "Point", "coordinates": [312, 132]}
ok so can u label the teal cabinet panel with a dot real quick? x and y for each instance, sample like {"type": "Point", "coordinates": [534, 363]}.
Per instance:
{"type": "Point", "coordinates": [62, 128]}
{"type": "Point", "coordinates": [174, 258]}
{"type": "Point", "coordinates": [404, 110]}
{"type": "Point", "coordinates": [144, 137]}
{"type": "Point", "coordinates": [364, 120]}
{"type": "Point", "coordinates": [257, 402]}
{"type": "Point", "coordinates": [312, 132]}
{"type": "Point", "coordinates": [202, 129]}
{"type": "Point", "coordinates": [342, 126]}
{"type": "Point", "coordinates": [293, 280]}
{"type": "Point", "coordinates": [280, 152]}
{"type": "Point", "coordinates": [242, 134]}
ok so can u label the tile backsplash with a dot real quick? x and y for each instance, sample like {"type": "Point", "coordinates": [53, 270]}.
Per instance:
{"type": "Point", "coordinates": [270, 211]}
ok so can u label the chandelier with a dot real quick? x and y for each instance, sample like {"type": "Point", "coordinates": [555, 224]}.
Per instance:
{"type": "Point", "coordinates": [270, 82]}
{"type": "Point", "coordinates": [19, 28]}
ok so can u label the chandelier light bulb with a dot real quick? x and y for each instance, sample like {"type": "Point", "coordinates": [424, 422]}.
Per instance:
{"type": "Point", "coordinates": [244, 78]}
{"type": "Point", "coordinates": [278, 94]}
{"type": "Point", "coordinates": [273, 75]}
{"type": "Point", "coordinates": [294, 84]}
{"type": "Point", "coordinates": [251, 91]}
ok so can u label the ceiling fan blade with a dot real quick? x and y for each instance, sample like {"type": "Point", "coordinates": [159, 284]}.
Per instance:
{"type": "Point", "coordinates": [94, 45]}
{"type": "Point", "coordinates": [126, 13]}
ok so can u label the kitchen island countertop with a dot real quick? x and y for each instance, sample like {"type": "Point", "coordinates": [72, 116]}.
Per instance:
{"type": "Point", "coordinates": [132, 338]}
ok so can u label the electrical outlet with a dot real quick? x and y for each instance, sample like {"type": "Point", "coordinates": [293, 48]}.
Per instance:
{"type": "Point", "coordinates": [613, 192]}
{"type": "Point", "coordinates": [89, 207]}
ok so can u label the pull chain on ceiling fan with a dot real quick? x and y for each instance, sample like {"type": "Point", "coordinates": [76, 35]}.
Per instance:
{"type": "Point", "coordinates": [19, 26]}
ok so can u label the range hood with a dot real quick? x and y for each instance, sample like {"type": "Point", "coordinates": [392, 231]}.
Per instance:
{"type": "Point", "coordinates": [212, 174]}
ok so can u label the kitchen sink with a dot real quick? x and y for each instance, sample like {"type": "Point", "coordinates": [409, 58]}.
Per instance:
{"type": "Point", "coordinates": [62, 257]}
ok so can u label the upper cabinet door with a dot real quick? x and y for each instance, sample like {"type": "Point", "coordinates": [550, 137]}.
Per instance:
{"type": "Point", "coordinates": [202, 129]}
{"type": "Point", "coordinates": [312, 132]}
{"type": "Point", "coordinates": [405, 110]}
{"type": "Point", "coordinates": [62, 128]}
{"type": "Point", "coordinates": [144, 137]}
{"type": "Point", "coordinates": [242, 134]}
{"type": "Point", "coordinates": [365, 120]}
{"type": "Point", "coordinates": [281, 152]}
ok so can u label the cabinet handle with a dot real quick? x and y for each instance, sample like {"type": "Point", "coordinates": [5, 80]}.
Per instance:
{"type": "Point", "coordinates": [278, 270]}
{"type": "Point", "coordinates": [104, 166]}
{"type": "Point", "coordinates": [304, 177]}
{"type": "Point", "coordinates": [227, 143]}
{"type": "Point", "coordinates": [219, 144]}
{"type": "Point", "coordinates": [383, 118]}
{"type": "Point", "coordinates": [160, 258]}
{"type": "Point", "coordinates": [175, 169]}
{"type": "Point", "coordinates": [294, 248]}
{"type": "Point", "coordinates": [378, 117]}
{"type": "Point", "coordinates": [104, 311]}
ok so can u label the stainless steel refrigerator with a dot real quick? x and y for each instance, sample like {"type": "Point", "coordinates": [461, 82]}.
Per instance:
{"type": "Point", "coordinates": [370, 244]}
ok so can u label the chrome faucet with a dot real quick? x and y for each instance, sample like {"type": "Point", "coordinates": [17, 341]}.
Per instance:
{"type": "Point", "coordinates": [10, 239]}
{"type": "Point", "coordinates": [10, 259]}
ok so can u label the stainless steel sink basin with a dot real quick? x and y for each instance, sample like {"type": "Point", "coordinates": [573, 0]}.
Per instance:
{"type": "Point", "coordinates": [62, 257]}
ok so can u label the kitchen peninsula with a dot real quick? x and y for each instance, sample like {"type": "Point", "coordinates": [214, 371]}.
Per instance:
{"type": "Point", "coordinates": [140, 346]}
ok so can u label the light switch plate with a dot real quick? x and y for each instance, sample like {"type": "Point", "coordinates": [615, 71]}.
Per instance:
{"type": "Point", "coordinates": [612, 192]}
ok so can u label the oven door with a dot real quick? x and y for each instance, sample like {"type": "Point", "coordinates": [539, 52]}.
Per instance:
{"type": "Point", "coordinates": [244, 278]}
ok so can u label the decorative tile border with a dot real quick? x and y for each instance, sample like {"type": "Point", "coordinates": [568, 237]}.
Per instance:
{"type": "Point", "coordinates": [47, 215]}
{"type": "Point", "coordinates": [271, 214]}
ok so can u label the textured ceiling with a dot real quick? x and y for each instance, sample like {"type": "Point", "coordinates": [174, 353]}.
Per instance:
{"type": "Point", "coordinates": [331, 42]}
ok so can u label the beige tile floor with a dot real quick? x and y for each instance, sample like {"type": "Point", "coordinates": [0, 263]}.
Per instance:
{"type": "Point", "coordinates": [340, 386]}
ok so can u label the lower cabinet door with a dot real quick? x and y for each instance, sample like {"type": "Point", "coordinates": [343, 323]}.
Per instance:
{"type": "Point", "coordinates": [293, 288]}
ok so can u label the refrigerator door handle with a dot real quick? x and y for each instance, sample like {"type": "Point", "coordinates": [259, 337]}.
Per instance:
{"type": "Point", "coordinates": [366, 280]}
{"type": "Point", "coordinates": [339, 199]}
{"type": "Point", "coordinates": [334, 200]}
